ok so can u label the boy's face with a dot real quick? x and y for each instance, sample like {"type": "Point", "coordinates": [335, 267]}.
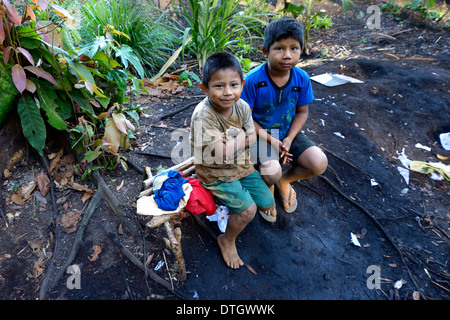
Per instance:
{"type": "Point", "coordinates": [283, 54]}
{"type": "Point", "coordinates": [224, 89]}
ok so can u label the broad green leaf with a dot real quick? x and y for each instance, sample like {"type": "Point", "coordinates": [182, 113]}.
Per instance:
{"type": "Point", "coordinates": [82, 101]}
{"type": "Point", "coordinates": [47, 96]}
{"type": "Point", "coordinates": [105, 61]}
{"type": "Point", "coordinates": [126, 54]}
{"type": "Point", "coordinates": [33, 125]}
{"type": "Point", "coordinates": [82, 71]}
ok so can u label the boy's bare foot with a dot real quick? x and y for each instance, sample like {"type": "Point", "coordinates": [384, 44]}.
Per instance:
{"type": "Point", "coordinates": [229, 252]}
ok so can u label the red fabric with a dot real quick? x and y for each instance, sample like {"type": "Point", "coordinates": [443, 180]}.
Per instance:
{"type": "Point", "coordinates": [201, 200]}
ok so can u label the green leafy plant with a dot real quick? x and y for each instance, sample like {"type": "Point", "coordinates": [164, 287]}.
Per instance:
{"type": "Point", "coordinates": [76, 90]}
{"type": "Point", "coordinates": [304, 12]}
{"type": "Point", "coordinates": [140, 28]}
{"type": "Point", "coordinates": [211, 25]}
{"type": "Point", "coordinates": [187, 75]}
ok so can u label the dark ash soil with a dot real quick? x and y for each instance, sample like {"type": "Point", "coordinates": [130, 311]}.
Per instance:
{"type": "Point", "coordinates": [304, 255]}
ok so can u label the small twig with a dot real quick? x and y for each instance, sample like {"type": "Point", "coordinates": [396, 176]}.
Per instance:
{"type": "Point", "coordinates": [347, 162]}
{"type": "Point", "coordinates": [153, 154]}
{"type": "Point", "coordinates": [177, 111]}
{"type": "Point", "coordinates": [127, 253]}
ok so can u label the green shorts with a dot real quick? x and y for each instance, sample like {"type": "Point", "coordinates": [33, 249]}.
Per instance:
{"type": "Point", "coordinates": [261, 151]}
{"type": "Point", "coordinates": [239, 195]}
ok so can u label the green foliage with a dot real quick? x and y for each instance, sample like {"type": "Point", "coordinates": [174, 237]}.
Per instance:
{"type": "Point", "coordinates": [211, 25]}
{"type": "Point", "coordinates": [425, 8]}
{"type": "Point", "coordinates": [304, 12]}
{"type": "Point", "coordinates": [187, 75]}
{"type": "Point", "coordinates": [72, 89]}
{"type": "Point", "coordinates": [136, 24]}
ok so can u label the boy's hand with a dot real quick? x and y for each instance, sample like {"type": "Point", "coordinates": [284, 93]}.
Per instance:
{"type": "Point", "coordinates": [284, 147]}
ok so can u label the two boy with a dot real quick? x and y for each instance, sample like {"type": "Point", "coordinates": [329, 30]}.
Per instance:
{"type": "Point", "coordinates": [224, 126]}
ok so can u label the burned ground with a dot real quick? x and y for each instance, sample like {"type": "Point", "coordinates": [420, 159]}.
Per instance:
{"type": "Point", "coordinates": [403, 228]}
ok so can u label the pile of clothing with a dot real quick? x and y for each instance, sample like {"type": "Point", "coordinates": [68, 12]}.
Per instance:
{"type": "Point", "coordinates": [172, 193]}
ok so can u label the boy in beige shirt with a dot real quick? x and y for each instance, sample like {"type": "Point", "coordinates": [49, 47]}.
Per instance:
{"type": "Point", "coordinates": [222, 130]}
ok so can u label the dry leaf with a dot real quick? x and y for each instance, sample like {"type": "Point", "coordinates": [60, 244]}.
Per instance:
{"type": "Point", "coordinates": [441, 157]}
{"type": "Point", "coordinates": [70, 220]}
{"type": "Point", "coordinates": [54, 165]}
{"type": "Point", "coordinates": [79, 187]}
{"type": "Point", "coordinates": [94, 255]}
{"type": "Point", "coordinates": [17, 199]}
{"type": "Point", "coordinates": [27, 190]}
{"type": "Point", "coordinates": [120, 185]}
{"type": "Point", "coordinates": [43, 183]}
{"type": "Point", "coordinates": [416, 295]}
{"type": "Point", "coordinates": [86, 196]}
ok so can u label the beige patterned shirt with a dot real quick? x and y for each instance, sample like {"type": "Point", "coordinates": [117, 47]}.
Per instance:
{"type": "Point", "coordinates": [208, 127]}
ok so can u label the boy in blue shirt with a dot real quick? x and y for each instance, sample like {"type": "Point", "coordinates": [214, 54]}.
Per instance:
{"type": "Point", "coordinates": [279, 94]}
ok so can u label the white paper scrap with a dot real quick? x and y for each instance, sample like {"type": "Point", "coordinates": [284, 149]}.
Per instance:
{"type": "Point", "coordinates": [421, 146]}
{"type": "Point", "coordinates": [445, 140]}
{"type": "Point", "coordinates": [373, 182]}
{"type": "Point", "coordinates": [403, 158]}
{"type": "Point", "coordinates": [355, 240]}
{"type": "Point", "coordinates": [331, 79]}
{"type": "Point", "coordinates": [221, 216]}
{"type": "Point", "coordinates": [339, 135]}
{"type": "Point", "coordinates": [405, 173]}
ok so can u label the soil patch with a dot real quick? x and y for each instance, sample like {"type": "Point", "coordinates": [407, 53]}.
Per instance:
{"type": "Point", "coordinates": [403, 229]}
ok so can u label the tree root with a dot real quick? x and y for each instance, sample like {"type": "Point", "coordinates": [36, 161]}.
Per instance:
{"type": "Point", "coordinates": [375, 221]}
{"type": "Point", "coordinates": [94, 202]}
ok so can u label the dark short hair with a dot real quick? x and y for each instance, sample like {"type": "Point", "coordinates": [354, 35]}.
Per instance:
{"type": "Point", "coordinates": [282, 29]}
{"type": "Point", "coordinates": [219, 61]}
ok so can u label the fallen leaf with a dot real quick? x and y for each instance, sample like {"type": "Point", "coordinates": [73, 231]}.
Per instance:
{"type": "Point", "coordinates": [79, 187]}
{"type": "Point", "coordinates": [86, 196]}
{"type": "Point", "coordinates": [17, 199]}
{"type": "Point", "coordinates": [43, 183]}
{"type": "Point", "coordinates": [441, 157]}
{"type": "Point", "coordinates": [27, 190]}
{"type": "Point", "coordinates": [70, 220]}
{"type": "Point", "coordinates": [416, 295]}
{"type": "Point", "coordinates": [120, 185]}
{"type": "Point", "coordinates": [54, 165]}
{"type": "Point", "coordinates": [94, 255]}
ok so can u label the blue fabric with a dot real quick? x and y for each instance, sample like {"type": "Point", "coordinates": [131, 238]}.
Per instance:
{"type": "Point", "coordinates": [168, 195]}
{"type": "Point", "coordinates": [274, 107]}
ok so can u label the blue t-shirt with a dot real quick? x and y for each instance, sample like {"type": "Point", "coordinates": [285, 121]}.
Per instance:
{"type": "Point", "coordinates": [274, 107]}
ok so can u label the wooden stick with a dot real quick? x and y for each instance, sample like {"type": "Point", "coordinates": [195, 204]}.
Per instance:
{"type": "Point", "coordinates": [174, 244]}
{"type": "Point", "coordinates": [178, 167]}
{"type": "Point", "coordinates": [186, 173]}
{"type": "Point", "coordinates": [159, 220]}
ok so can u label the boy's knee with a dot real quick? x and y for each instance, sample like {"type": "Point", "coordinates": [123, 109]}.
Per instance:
{"type": "Point", "coordinates": [321, 164]}
{"type": "Point", "coordinates": [270, 172]}
{"type": "Point", "coordinates": [249, 213]}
